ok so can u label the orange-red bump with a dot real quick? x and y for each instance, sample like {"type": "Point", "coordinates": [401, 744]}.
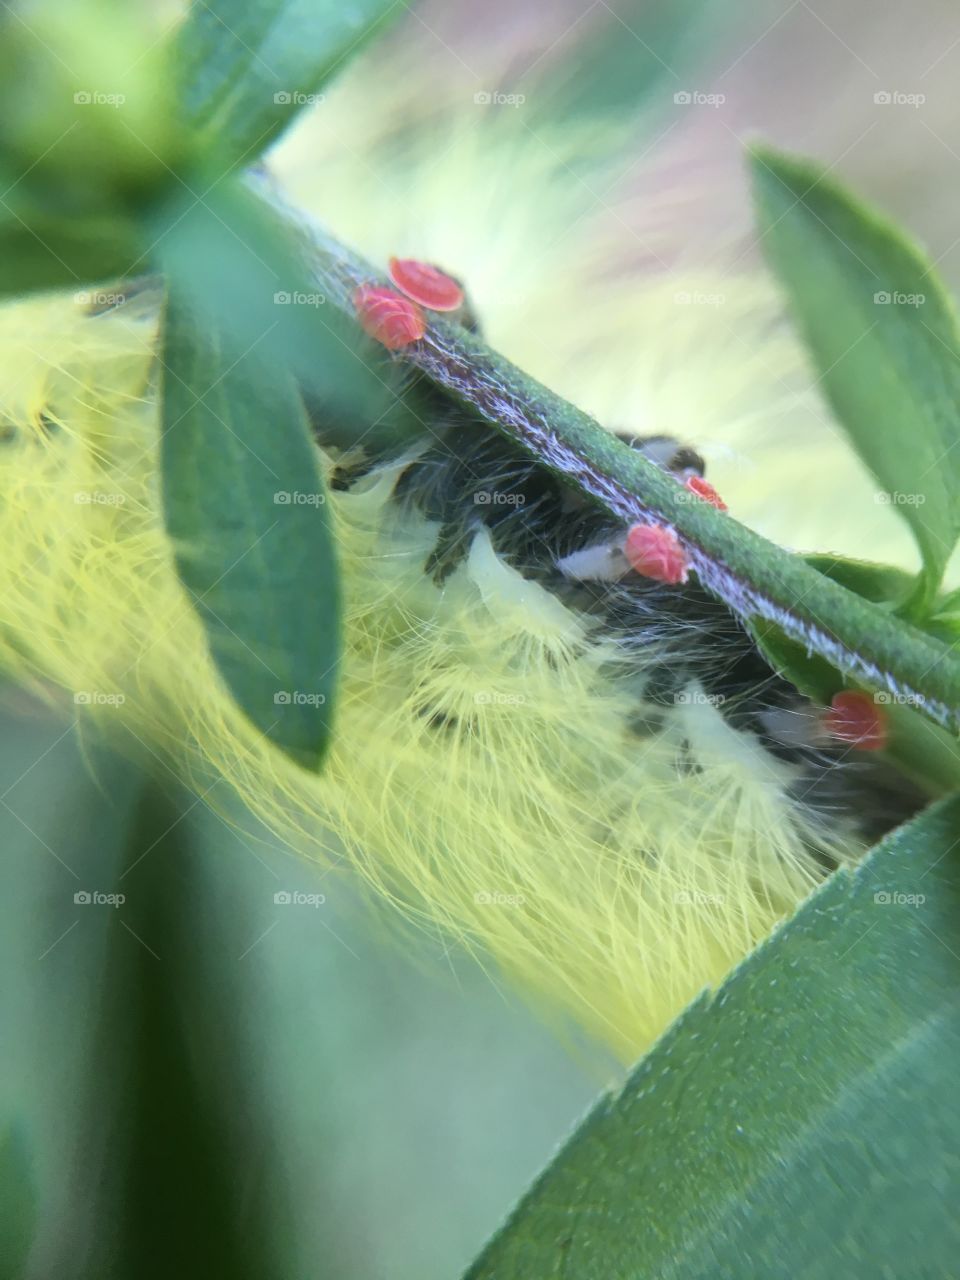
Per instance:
{"type": "Point", "coordinates": [705, 490]}
{"type": "Point", "coordinates": [656, 553]}
{"type": "Point", "coordinates": [425, 284]}
{"type": "Point", "coordinates": [388, 316]}
{"type": "Point", "coordinates": [855, 718]}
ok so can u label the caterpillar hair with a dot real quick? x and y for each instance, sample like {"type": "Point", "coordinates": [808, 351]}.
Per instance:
{"type": "Point", "coordinates": [588, 775]}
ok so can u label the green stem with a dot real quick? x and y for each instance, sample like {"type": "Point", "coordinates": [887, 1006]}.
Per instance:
{"type": "Point", "coordinates": [754, 577]}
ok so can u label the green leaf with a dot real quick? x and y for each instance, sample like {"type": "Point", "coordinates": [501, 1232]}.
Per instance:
{"type": "Point", "coordinates": [950, 603]}
{"type": "Point", "coordinates": [87, 140]}
{"type": "Point", "coordinates": [881, 583]}
{"type": "Point", "coordinates": [247, 67]}
{"type": "Point", "coordinates": [246, 273]}
{"type": "Point", "coordinates": [801, 1123]}
{"type": "Point", "coordinates": [244, 502]}
{"type": "Point", "coordinates": [86, 105]}
{"type": "Point", "coordinates": [631, 50]}
{"type": "Point", "coordinates": [884, 340]}
{"type": "Point", "coordinates": [18, 1210]}
{"type": "Point", "coordinates": [193, 1191]}
{"type": "Point", "coordinates": [39, 253]}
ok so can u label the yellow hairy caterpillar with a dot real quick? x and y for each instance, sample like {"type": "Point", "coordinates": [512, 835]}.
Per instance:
{"type": "Point", "coordinates": [590, 776]}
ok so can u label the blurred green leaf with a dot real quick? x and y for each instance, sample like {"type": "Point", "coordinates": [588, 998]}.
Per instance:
{"type": "Point", "coordinates": [884, 340]}
{"type": "Point", "coordinates": [17, 1206]}
{"type": "Point", "coordinates": [247, 67]}
{"type": "Point", "coordinates": [184, 1206]}
{"type": "Point", "coordinates": [85, 100]}
{"type": "Point", "coordinates": [881, 583]}
{"type": "Point", "coordinates": [800, 1123]}
{"type": "Point", "coordinates": [87, 141]}
{"type": "Point", "coordinates": [631, 51]}
{"type": "Point", "coordinates": [950, 603]}
{"type": "Point", "coordinates": [38, 252]}
{"type": "Point", "coordinates": [246, 273]}
{"type": "Point", "coordinates": [244, 501]}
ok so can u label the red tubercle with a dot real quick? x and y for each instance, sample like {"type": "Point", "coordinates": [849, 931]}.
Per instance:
{"type": "Point", "coordinates": [388, 316]}
{"type": "Point", "coordinates": [705, 490]}
{"type": "Point", "coordinates": [656, 553]}
{"type": "Point", "coordinates": [858, 720]}
{"type": "Point", "coordinates": [425, 284]}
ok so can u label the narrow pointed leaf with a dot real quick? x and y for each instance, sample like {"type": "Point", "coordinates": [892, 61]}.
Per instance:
{"type": "Point", "coordinates": [247, 67]}
{"type": "Point", "coordinates": [802, 1122]}
{"type": "Point", "coordinates": [244, 504]}
{"type": "Point", "coordinates": [884, 340]}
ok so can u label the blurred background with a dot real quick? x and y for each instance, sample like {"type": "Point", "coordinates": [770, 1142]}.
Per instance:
{"type": "Point", "coordinates": [206, 1078]}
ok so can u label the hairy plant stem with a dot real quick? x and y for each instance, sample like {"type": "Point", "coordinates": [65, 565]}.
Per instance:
{"type": "Point", "coordinates": [754, 577]}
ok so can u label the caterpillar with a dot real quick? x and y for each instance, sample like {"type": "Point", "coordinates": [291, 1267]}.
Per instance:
{"type": "Point", "coordinates": [624, 727]}
{"type": "Point", "coordinates": [589, 776]}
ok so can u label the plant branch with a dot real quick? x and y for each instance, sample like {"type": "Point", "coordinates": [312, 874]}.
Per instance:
{"type": "Point", "coordinates": [754, 577]}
